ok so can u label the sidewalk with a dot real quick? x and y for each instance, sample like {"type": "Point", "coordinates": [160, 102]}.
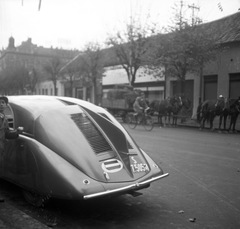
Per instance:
{"type": "Point", "coordinates": [193, 123]}
{"type": "Point", "coordinates": [12, 218]}
{"type": "Point", "coordinates": [188, 122]}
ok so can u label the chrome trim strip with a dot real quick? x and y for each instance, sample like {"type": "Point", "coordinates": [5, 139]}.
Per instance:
{"type": "Point", "coordinates": [124, 188]}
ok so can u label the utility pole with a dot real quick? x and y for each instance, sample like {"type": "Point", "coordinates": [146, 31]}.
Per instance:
{"type": "Point", "coordinates": [180, 15]}
{"type": "Point", "coordinates": [193, 8]}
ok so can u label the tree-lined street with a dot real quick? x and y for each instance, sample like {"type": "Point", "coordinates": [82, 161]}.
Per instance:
{"type": "Point", "coordinates": [187, 66]}
{"type": "Point", "coordinates": [202, 190]}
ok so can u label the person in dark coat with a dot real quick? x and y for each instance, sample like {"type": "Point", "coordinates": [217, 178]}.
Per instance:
{"type": "Point", "coordinates": [5, 132]}
{"type": "Point", "coordinates": [140, 105]}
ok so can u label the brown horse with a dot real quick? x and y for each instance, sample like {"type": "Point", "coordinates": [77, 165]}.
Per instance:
{"type": "Point", "coordinates": [163, 109]}
{"type": "Point", "coordinates": [168, 108]}
{"type": "Point", "coordinates": [209, 109]}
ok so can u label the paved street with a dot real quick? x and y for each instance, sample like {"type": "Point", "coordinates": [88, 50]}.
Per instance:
{"type": "Point", "coordinates": [202, 190]}
{"type": "Point", "coordinates": [204, 179]}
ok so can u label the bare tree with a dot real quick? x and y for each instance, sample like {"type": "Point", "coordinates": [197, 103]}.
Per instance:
{"type": "Point", "coordinates": [203, 48]}
{"type": "Point", "coordinates": [184, 49]}
{"type": "Point", "coordinates": [70, 77]}
{"type": "Point", "coordinates": [14, 79]}
{"type": "Point", "coordinates": [52, 68]}
{"type": "Point", "coordinates": [71, 73]}
{"type": "Point", "coordinates": [131, 45]}
{"type": "Point", "coordinates": [91, 67]}
{"type": "Point", "coordinates": [32, 79]}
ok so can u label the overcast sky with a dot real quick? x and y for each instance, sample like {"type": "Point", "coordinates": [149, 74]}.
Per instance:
{"type": "Point", "coordinates": [70, 24]}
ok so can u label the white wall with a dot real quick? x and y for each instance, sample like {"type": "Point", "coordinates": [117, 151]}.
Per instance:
{"type": "Point", "coordinates": [48, 88]}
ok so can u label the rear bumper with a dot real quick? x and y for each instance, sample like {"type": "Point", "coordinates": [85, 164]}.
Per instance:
{"type": "Point", "coordinates": [137, 185]}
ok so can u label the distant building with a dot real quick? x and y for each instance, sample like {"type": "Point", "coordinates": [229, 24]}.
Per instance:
{"type": "Point", "coordinates": [32, 59]}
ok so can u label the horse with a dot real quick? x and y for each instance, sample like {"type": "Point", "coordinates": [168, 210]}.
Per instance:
{"type": "Point", "coordinates": [168, 108]}
{"type": "Point", "coordinates": [163, 109]}
{"type": "Point", "coordinates": [177, 105]}
{"type": "Point", "coordinates": [234, 110]}
{"type": "Point", "coordinates": [185, 108]}
{"type": "Point", "coordinates": [209, 109]}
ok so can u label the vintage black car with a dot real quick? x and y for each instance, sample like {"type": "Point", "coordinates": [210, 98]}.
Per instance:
{"type": "Point", "coordinates": [72, 149]}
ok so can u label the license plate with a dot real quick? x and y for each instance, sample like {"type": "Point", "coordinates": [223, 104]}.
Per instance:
{"type": "Point", "coordinates": [138, 167]}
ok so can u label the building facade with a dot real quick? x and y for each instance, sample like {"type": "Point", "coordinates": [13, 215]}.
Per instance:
{"type": "Point", "coordinates": [32, 59]}
{"type": "Point", "coordinates": [221, 76]}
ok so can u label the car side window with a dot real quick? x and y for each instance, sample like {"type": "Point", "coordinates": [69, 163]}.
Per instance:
{"type": "Point", "coordinates": [9, 115]}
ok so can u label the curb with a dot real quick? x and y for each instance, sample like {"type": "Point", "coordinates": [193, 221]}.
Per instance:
{"type": "Point", "coordinates": [13, 218]}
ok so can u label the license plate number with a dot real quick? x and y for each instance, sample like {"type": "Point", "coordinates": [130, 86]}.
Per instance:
{"type": "Point", "coordinates": [137, 168]}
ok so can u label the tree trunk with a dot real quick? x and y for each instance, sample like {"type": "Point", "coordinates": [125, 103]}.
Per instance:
{"type": "Point", "coordinates": [201, 82]}
{"type": "Point", "coordinates": [94, 90]}
{"type": "Point", "coordinates": [55, 87]}
{"type": "Point", "coordinates": [71, 87]}
{"type": "Point", "coordinates": [182, 87]}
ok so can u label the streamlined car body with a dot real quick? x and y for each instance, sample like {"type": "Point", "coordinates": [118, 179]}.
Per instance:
{"type": "Point", "coordinates": [72, 149]}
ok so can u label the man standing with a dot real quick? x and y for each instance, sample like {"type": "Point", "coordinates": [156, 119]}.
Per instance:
{"type": "Point", "coordinates": [5, 132]}
{"type": "Point", "coordinates": [220, 101]}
